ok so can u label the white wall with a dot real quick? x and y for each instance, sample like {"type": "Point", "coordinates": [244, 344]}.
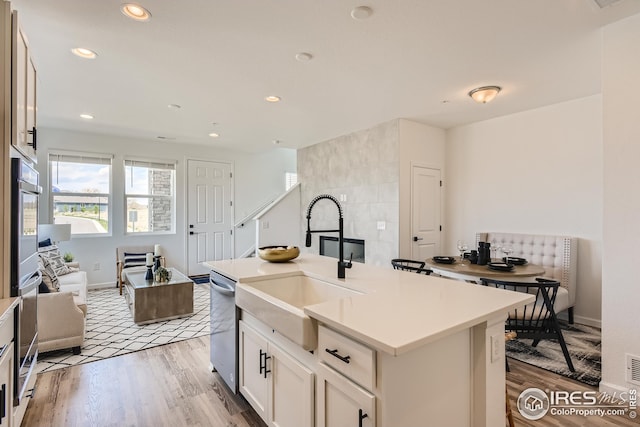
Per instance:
{"type": "Point", "coordinates": [537, 172]}
{"type": "Point", "coordinates": [257, 177]}
{"type": "Point", "coordinates": [621, 290]}
{"type": "Point", "coordinates": [279, 223]}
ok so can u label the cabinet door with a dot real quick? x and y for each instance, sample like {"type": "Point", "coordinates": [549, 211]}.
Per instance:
{"type": "Point", "coordinates": [342, 403]}
{"type": "Point", "coordinates": [6, 384]}
{"type": "Point", "coordinates": [31, 135]}
{"type": "Point", "coordinates": [22, 72]}
{"type": "Point", "coordinates": [292, 391]}
{"type": "Point", "coordinates": [252, 366]}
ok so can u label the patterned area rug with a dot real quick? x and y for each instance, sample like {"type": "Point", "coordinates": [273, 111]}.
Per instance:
{"type": "Point", "coordinates": [583, 343]}
{"type": "Point", "coordinates": [110, 330]}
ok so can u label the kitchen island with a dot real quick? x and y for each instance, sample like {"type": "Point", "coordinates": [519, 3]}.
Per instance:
{"type": "Point", "coordinates": [402, 350]}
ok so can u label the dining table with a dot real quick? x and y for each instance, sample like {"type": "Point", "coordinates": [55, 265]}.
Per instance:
{"type": "Point", "coordinates": [464, 270]}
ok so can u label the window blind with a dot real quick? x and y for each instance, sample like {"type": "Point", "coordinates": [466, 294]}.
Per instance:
{"type": "Point", "coordinates": [96, 159]}
{"type": "Point", "coordinates": [169, 165]}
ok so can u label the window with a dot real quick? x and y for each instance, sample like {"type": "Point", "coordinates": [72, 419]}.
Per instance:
{"type": "Point", "coordinates": [80, 187]}
{"type": "Point", "coordinates": [149, 196]}
{"type": "Point", "coordinates": [290, 179]}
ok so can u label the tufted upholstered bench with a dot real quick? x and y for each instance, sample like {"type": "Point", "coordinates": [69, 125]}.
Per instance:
{"type": "Point", "coordinates": [557, 254]}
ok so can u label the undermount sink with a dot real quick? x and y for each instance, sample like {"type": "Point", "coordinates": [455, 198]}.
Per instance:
{"type": "Point", "coordinates": [279, 303]}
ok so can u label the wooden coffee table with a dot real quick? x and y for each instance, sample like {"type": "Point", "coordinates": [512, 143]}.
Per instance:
{"type": "Point", "coordinates": [151, 301]}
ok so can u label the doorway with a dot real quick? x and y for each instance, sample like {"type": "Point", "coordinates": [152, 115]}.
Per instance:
{"type": "Point", "coordinates": [209, 214]}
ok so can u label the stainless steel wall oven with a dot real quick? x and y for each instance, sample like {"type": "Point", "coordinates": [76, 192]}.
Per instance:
{"type": "Point", "coordinates": [25, 275]}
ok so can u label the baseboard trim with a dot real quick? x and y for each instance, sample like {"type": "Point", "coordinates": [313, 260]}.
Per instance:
{"type": "Point", "coordinates": [95, 286]}
{"type": "Point", "coordinates": [612, 388]}
{"type": "Point", "coordinates": [582, 320]}
{"type": "Point", "coordinates": [596, 323]}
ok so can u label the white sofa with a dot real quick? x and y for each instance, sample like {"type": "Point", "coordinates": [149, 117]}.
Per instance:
{"type": "Point", "coordinates": [61, 315]}
{"type": "Point", "coordinates": [557, 254]}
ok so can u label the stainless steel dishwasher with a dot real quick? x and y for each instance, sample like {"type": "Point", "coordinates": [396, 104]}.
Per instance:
{"type": "Point", "coordinates": [224, 324]}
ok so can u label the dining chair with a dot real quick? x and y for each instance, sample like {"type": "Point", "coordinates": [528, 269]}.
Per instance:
{"type": "Point", "coordinates": [410, 265]}
{"type": "Point", "coordinates": [536, 320]}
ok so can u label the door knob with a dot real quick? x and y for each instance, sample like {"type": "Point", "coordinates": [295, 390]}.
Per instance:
{"type": "Point", "coordinates": [416, 238]}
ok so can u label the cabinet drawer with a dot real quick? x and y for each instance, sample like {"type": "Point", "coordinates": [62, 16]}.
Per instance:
{"type": "Point", "coordinates": [347, 356]}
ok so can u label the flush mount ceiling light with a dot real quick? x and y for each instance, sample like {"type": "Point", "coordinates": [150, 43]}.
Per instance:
{"type": "Point", "coordinates": [361, 12]}
{"type": "Point", "coordinates": [484, 94]}
{"type": "Point", "coordinates": [272, 98]}
{"type": "Point", "coordinates": [213, 135]}
{"type": "Point", "coordinates": [303, 57]}
{"type": "Point", "coordinates": [174, 106]}
{"type": "Point", "coordinates": [84, 53]}
{"type": "Point", "coordinates": [135, 11]}
{"type": "Point", "coordinates": [86, 116]}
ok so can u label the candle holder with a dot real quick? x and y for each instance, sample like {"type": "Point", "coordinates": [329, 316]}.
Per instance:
{"type": "Point", "coordinates": [149, 275]}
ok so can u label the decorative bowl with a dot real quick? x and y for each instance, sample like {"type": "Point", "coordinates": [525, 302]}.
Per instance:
{"type": "Point", "coordinates": [278, 253]}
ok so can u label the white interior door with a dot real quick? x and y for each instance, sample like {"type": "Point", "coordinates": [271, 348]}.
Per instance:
{"type": "Point", "coordinates": [209, 213]}
{"type": "Point", "coordinates": [425, 212]}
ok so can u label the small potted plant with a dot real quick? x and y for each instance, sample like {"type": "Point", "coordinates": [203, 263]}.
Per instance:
{"type": "Point", "coordinates": [68, 257]}
{"type": "Point", "coordinates": [162, 275]}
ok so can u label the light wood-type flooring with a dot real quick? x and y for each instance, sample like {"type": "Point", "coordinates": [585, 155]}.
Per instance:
{"type": "Point", "coordinates": [172, 386]}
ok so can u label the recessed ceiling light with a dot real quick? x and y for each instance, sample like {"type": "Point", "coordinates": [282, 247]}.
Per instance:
{"type": "Point", "coordinates": [166, 138]}
{"type": "Point", "coordinates": [135, 11]}
{"type": "Point", "coordinates": [361, 12]}
{"type": "Point", "coordinates": [276, 141]}
{"type": "Point", "coordinates": [304, 56]}
{"type": "Point", "coordinates": [84, 53]}
{"type": "Point", "coordinates": [86, 116]}
{"type": "Point", "coordinates": [272, 98]}
{"type": "Point", "coordinates": [213, 135]}
{"type": "Point", "coordinates": [174, 106]}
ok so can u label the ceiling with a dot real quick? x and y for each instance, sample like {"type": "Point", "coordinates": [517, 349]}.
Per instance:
{"type": "Point", "coordinates": [219, 59]}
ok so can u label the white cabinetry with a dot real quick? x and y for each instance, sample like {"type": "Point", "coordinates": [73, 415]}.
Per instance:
{"type": "Point", "coordinates": [23, 88]}
{"type": "Point", "coordinates": [253, 360]}
{"type": "Point", "coordinates": [278, 387]}
{"type": "Point", "coordinates": [342, 402]}
{"type": "Point", "coordinates": [6, 369]}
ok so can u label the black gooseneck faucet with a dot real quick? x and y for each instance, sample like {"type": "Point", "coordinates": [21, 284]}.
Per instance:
{"type": "Point", "coordinates": [342, 264]}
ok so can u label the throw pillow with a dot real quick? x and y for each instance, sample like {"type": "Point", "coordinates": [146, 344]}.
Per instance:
{"type": "Point", "coordinates": [45, 242]}
{"type": "Point", "coordinates": [49, 276]}
{"type": "Point", "coordinates": [134, 260]}
{"type": "Point", "coordinates": [55, 258]}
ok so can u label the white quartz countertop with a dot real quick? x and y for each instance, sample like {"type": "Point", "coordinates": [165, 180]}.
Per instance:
{"type": "Point", "coordinates": [398, 311]}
